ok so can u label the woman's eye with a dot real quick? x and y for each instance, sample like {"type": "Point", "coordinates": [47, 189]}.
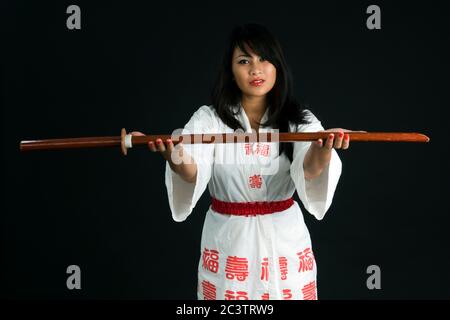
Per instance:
{"type": "Point", "coordinates": [245, 61]}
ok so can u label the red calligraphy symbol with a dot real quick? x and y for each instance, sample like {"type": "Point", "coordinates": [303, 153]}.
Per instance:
{"type": "Point", "coordinates": [236, 267]}
{"type": "Point", "coordinates": [239, 295]}
{"type": "Point", "coordinates": [309, 291]}
{"type": "Point", "coordinates": [209, 290]}
{"type": "Point", "coordinates": [265, 296]}
{"type": "Point", "coordinates": [287, 294]}
{"type": "Point", "coordinates": [265, 150]}
{"type": "Point", "coordinates": [283, 267]}
{"type": "Point", "coordinates": [258, 148]}
{"type": "Point", "coordinates": [255, 181]}
{"type": "Point", "coordinates": [306, 260]}
{"type": "Point", "coordinates": [265, 269]}
{"type": "Point", "coordinates": [248, 149]}
{"type": "Point", "coordinates": [211, 260]}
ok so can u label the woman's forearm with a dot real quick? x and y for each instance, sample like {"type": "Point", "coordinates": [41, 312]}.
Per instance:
{"type": "Point", "coordinates": [187, 169]}
{"type": "Point", "coordinates": [315, 161]}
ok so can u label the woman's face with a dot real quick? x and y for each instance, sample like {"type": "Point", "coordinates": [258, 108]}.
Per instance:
{"type": "Point", "coordinates": [253, 75]}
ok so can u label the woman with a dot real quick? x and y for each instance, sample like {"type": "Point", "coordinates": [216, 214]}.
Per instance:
{"type": "Point", "coordinates": [255, 244]}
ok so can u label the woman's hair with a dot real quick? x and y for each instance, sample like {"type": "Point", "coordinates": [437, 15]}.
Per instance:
{"type": "Point", "coordinates": [283, 108]}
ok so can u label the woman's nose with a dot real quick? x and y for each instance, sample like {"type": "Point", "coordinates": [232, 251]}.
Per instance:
{"type": "Point", "coordinates": [255, 70]}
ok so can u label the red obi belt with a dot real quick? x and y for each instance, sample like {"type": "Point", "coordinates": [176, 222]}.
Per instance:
{"type": "Point", "coordinates": [250, 208]}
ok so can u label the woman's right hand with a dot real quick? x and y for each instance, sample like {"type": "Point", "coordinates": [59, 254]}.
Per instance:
{"type": "Point", "coordinates": [187, 169]}
{"type": "Point", "coordinates": [159, 146]}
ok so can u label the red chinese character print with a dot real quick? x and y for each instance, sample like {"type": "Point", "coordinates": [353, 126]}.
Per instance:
{"type": "Point", "coordinates": [287, 294]}
{"type": "Point", "coordinates": [309, 291]}
{"type": "Point", "coordinates": [306, 258]}
{"type": "Point", "coordinates": [260, 148]}
{"type": "Point", "coordinates": [248, 149]}
{"type": "Point", "coordinates": [265, 150]}
{"type": "Point", "coordinates": [210, 260]}
{"type": "Point", "coordinates": [283, 267]}
{"type": "Point", "coordinates": [265, 269]}
{"type": "Point", "coordinates": [265, 296]}
{"type": "Point", "coordinates": [209, 290]}
{"type": "Point", "coordinates": [239, 295]}
{"type": "Point", "coordinates": [255, 181]}
{"type": "Point", "coordinates": [236, 267]}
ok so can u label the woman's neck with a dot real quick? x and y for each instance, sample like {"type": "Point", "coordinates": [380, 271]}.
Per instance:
{"type": "Point", "coordinates": [254, 107]}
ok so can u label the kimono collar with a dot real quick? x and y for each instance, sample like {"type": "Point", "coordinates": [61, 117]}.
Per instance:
{"type": "Point", "coordinates": [243, 118]}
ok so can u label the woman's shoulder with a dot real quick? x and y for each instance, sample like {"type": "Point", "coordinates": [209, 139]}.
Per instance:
{"type": "Point", "coordinates": [208, 109]}
{"type": "Point", "coordinates": [205, 112]}
{"type": "Point", "coordinates": [309, 117]}
{"type": "Point", "coordinates": [205, 115]}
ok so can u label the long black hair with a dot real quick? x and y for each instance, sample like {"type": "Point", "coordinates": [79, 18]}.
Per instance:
{"type": "Point", "coordinates": [283, 108]}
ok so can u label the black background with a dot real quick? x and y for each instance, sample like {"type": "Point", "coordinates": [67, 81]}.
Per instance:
{"type": "Point", "coordinates": [148, 66]}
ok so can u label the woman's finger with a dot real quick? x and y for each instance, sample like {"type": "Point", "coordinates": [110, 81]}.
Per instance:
{"type": "Point", "coordinates": [341, 129]}
{"type": "Point", "coordinates": [319, 143]}
{"type": "Point", "coordinates": [346, 142]}
{"type": "Point", "coordinates": [330, 140]}
{"type": "Point", "coordinates": [152, 146]}
{"type": "Point", "coordinates": [169, 145]}
{"type": "Point", "coordinates": [160, 145]}
{"type": "Point", "coordinates": [169, 149]}
{"type": "Point", "coordinates": [338, 140]}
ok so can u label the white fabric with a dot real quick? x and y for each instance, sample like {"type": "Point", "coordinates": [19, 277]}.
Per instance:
{"type": "Point", "coordinates": [128, 141]}
{"type": "Point", "coordinates": [231, 244]}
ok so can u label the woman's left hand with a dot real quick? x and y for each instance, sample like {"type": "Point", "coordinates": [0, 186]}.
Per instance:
{"type": "Point", "coordinates": [338, 139]}
{"type": "Point", "coordinates": [319, 153]}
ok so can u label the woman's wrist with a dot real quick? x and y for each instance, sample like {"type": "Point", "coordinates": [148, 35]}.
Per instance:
{"type": "Point", "coordinates": [187, 171]}
{"type": "Point", "coordinates": [316, 159]}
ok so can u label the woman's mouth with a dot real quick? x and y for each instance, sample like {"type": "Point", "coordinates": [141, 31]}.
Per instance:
{"type": "Point", "coordinates": [257, 82]}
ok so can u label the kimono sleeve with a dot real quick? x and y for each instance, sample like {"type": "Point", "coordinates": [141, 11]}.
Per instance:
{"type": "Point", "coordinates": [182, 195]}
{"type": "Point", "coordinates": [317, 194]}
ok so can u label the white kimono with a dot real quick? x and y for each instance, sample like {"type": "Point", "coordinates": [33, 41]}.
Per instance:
{"type": "Point", "coordinates": [253, 257]}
